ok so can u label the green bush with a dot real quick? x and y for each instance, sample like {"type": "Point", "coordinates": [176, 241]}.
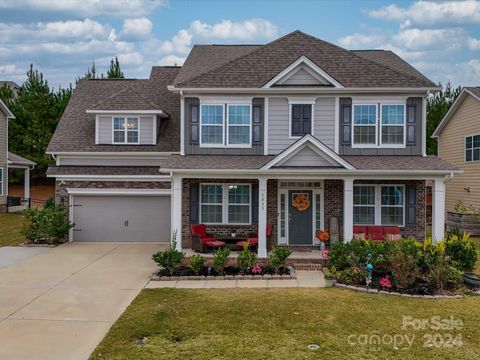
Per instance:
{"type": "Point", "coordinates": [403, 265]}
{"type": "Point", "coordinates": [352, 276]}
{"type": "Point", "coordinates": [354, 253]}
{"type": "Point", "coordinates": [278, 257]}
{"type": "Point", "coordinates": [461, 250]}
{"type": "Point", "coordinates": [170, 258]}
{"type": "Point", "coordinates": [220, 259]}
{"type": "Point", "coordinates": [196, 263]}
{"type": "Point", "coordinates": [50, 224]}
{"type": "Point", "coordinates": [443, 276]}
{"type": "Point", "coordinates": [246, 259]}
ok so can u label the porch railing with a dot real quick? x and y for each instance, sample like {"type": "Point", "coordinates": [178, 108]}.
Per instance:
{"type": "Point", "coordinates": [17, 204]}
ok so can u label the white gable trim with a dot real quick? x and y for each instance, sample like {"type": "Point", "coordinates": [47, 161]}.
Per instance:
{"type": "Point", "coordinates": [6, 110]}
{"type": "Point", "coordinates": [308, 70]}
{"type": "Point", "coordinates": [313, 143]}
{"type": "Point", "coordinates": [308, 63]}
{"type": "Point", "coordinates": [452, 111]}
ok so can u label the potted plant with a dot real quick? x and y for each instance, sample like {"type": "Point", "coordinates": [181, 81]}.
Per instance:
{"type": "Point", "coordinates": [322, 237]}
{"type": "Point", "coordinates": [330, 276]}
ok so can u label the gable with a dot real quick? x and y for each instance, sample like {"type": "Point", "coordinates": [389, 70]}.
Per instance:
{"type": "Point", "coordinates": [307, 157]}
{"type": "Point", "coordinates": [301, 76]}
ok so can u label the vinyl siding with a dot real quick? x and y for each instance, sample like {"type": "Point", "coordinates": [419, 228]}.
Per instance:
{"type": "Point", "coordinates": [105, 130]}
{"type": "Point", "coordinates": [301, 77]}
{"type": "Point", "coordinates": [279, 123]}
{"type": "Point", "coordinates": [465, 121]}
{"type": "Point", "coordinates": [306, 157]}
{"type": "Point", "coordinates": [3, 156]}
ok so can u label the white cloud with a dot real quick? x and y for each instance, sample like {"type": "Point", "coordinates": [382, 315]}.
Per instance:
{"type": "Point", "coordinates": [171, 60]}
{"type": "Point", "coordinates": [180, 43]}
{"type": "Point", "coordinates": [431, 13]}
{"type": "Point", "coordinates": [87, 8]}
{"type": "Point", "coordinates": [473, 44]}
{"type": "Point", "coordinates": [139, 28]}
{"type": "Point", "coordinates": [361, 41]}
{"type": "Point", "coordinates": [228, 30]}
{"type": "Point", "coordinates": [8, 69]}
{"type": "Point", "coordinates": [424, 39]}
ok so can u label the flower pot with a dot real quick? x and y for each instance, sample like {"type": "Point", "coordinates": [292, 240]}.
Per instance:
{"type": "Point", "coordinates": [329, 282]}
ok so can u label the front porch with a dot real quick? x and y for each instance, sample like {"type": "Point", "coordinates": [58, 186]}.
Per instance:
{"type": "Point", "coordinates": [297, 209]}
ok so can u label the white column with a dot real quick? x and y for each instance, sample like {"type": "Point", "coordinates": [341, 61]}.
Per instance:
{"type": "Point", "coordinates": [262, 218]}
{"type": "Point", "coordinates": [347, 210]}
{"type": "Point", "coordinates": [176, 210]}
{"type": "Point", "coordinates": [26, 184]}
{"type": "Point", "coordinates": [438, 209]}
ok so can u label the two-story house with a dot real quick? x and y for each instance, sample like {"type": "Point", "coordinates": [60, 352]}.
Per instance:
{"type": "Point", "coordinates": [298, 133]}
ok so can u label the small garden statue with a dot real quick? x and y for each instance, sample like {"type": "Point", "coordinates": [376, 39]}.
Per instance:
{"type": "Point", "coordinates": [369, 269]}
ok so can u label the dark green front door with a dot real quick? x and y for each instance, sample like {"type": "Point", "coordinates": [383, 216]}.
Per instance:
{"type": "Point", "coordinates": [300, 226]}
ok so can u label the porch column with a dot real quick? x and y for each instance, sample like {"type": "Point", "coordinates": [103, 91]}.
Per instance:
{"type": "Point", "coordinates": [262, 218]}
{"type": "Point", "coordinates": [176, 210]}
{"type": "Point", "coordinates": [438, 209]}
{"type": "Point", "coordinates": [26, 184]}
{"type": "Point", "coordinates": [347, 210]}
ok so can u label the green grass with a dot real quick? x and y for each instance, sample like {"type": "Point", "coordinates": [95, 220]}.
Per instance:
{"type": "Point", "coordinates": [10, 229]}
{"type": "Point", "coordinates": [279, 324]}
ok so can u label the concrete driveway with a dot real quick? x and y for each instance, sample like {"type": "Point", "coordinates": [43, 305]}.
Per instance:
{"type": "Point", "coordinates": [60, 302]}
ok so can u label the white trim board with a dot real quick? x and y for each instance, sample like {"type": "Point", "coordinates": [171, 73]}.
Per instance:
{"type": "Point", "coordinates": [119, 192]}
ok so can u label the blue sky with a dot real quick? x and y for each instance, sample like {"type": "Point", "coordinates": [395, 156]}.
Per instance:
{"type": "Point", "coordinates": [62, 37]}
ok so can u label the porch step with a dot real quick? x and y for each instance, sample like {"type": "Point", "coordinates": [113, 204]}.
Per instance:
{"type": "Point", "coordinates": [306, 248]}
{"type": "Point", "coordinates": [311, 266]}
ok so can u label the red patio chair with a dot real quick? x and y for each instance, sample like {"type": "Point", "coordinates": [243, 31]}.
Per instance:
{"type": "Point", "coordinates": [201, 241]}
{"type": "Point", "coordinates": [252, 238]}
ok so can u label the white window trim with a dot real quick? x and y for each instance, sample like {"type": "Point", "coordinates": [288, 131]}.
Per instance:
{"type": "Point", "coordinates": [312, 127]}
{"type": "Point", "coordinates": [2, 176]}
{"type": "Point", "coordinates": [209, 145]}
{"type": "Point", "coordinates": [125, 120]}
{"type": "Point", "coordinates": [378, 125]}
{"type": "Point", "coordinates": [378, 204]}
{"type": "Point", "coordinates": [465, 149]}
{"type": "Point", "coordinates": [227, 121]}
{"type": "Point", "coordinates": [396, 146]}
{"type": "Point", "coordinates": [225, 204]}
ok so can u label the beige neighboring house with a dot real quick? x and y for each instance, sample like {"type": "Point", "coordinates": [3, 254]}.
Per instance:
{"type": "Point", "coordinates": [458, 137]}
{"type": "Point", "coordinates": [8, 161]}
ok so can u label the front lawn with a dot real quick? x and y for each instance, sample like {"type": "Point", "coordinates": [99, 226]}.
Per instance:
{"type": "Point", "coordinates": [10, 229]}
{"type": "Point", "coordinates": [281, 323]}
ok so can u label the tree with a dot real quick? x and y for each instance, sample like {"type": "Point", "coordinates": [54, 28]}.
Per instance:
{"type": "Point", "coordinates": [91, 72]}
{"type": "Point", "coordinates": [7, 95]}
{"type": "Point", "coordinates": [437, 107]}
{"type": "Point", "coordinates": [115, 72]}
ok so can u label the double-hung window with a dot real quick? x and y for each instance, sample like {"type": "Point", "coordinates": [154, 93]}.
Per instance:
{"type": "Point", "coordinates": [365, 124]}
{"type": "Point", "coordinates": [226, 125]}
{"type": "Point", "coordinates": [472, 148]}
{"type": "Point", "coordinates": [379, 205]}
{"type": "Point", "coordinates": [393, 124]}
{"type": "Point", "coordinates": [225, 203]}
{"type": "Point", "coordinates": [125, 130]}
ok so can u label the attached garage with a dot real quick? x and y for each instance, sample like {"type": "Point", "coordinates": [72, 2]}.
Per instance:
{"type": "Point", "coordinates": [114, 217]}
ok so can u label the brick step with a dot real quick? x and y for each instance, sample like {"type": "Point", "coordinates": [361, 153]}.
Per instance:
{"type": "Point", "coordinates": [300, 248]}
{"type": "Point", "coordinates": [310, 266]}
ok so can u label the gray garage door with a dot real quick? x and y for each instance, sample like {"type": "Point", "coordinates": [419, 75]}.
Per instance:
{"type": "Point", "coordinates": [121, 218]}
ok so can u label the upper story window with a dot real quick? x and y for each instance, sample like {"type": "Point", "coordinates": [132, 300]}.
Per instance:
{"type": "Point", "coordinates": [472, 148]}
{"type": "Point", "coordinates": [125, 130]}
{"type": "Point", "coordinates": [378, 125]}
{"type": "Point", "coordinates": [226, 125]}
{"type": "Point", "coordinates": [301, 120]}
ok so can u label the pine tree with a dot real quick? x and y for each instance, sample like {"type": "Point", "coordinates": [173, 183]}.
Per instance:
{"type": "Point", "coordinates": [115, 72]}
{"type": "Point", "coordinates": [91, 72]}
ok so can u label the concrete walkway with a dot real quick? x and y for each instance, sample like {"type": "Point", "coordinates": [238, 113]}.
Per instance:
{"type": "Point", "coordinates": [60, 302]}
{"type": "Point", "coordinates": [304, 279]}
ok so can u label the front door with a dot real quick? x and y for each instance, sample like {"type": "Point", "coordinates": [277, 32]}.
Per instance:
{"type": "Point", "coordinates": [300, 227]}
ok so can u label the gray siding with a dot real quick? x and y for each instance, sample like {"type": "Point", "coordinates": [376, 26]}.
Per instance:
{"type": "Point", "coordinates": [3, 156]}
{"type": "Point", "coordinates": [256, 149]}
{"type": "Point", "coordinates": [301, 77]}
{"type": "Point", "coordinates": [279, 123]}
{"type": "Point", "coordinates": [105, 130]}
{"type": "Point", "coordinates": [410, 149]}
{"type": "Point", "coordinates": [306, 157]}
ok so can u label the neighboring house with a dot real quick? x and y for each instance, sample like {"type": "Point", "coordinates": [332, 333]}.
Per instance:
{"type": "Point", "coordinates": [458, 137]}
{"type": "Point", "coordinates": [11, 85]}
{"type": "Point", "coordinates": [238, 135]}
{"type": "Point", "coordinates": [10, 161]}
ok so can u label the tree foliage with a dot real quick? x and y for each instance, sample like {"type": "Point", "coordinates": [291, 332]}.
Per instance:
{"type": "Point", "coordinates": [437, 107]}
{"type": "Point", "coordinates": [115, 72]}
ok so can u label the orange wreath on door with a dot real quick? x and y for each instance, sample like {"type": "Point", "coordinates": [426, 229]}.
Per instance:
{"type": "Point", "coordinates": [301, 202]}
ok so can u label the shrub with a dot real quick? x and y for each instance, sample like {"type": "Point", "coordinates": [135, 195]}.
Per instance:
{"type": "Point", "coordinates": [50, 224]}
{"type": "Point", "coordinates": [170, 258]}
{"type": "Point", "coordinates": [246, 259]}
{"type": "Point", "coordinates": [461, 250]}
{"type": "Point", "coordinates": [220, 259]}
{"type": "Point", "coordinates": [278, 257]}
{"type": "Point", "coordinates": [403, 265]}
{"type": "Point", "coordinates": [352, 276]}
{"type": "Point", "coordinates": [196, 263]}
{"type": "Point", "coordinates": [444, 276]}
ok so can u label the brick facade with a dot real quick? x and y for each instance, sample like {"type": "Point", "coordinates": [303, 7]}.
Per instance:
{"type": "Point", "coordinates": [333, 204]}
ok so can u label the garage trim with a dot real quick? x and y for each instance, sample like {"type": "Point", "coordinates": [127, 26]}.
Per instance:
{"type": "Point", "coordinates": [125, 192]}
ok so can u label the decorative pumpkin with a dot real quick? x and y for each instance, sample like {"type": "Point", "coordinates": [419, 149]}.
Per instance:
{"type": "Point", "coordinates": [323, 235]}
{"type": "Point", "coordinates": [301, 202]}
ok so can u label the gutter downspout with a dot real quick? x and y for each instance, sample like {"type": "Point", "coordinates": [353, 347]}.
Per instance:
{"type": "Point", "coordinates": [448, 178]}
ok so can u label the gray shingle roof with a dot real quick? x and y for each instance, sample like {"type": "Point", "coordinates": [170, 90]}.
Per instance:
{"type": "Point", "coordinates": [76, 130]}
{"type": "Point", "coordinates": [103, 170]}
{"type": "Point", "coordinates": [474, 89]}
{"type": "Point", "coordinates": [399, 163]}
{"type": "Point", "coordinates": [14, 159]}
{"type": "Point", "coordinates": [257, 67]}
{"type": "Point", "coordinates": [216, 161]}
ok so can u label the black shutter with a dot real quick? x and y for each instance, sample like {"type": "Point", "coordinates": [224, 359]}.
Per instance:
{"type": "Point", "coordinates": [255, 204]}
{"type": "Point", "coordinates": [346, 121]}
{"type": "Point", "coordinates": [411, 211]}
{"type": "Point", "coordinates": [194, 203]}
{"type": "Point", "coordinates": [411, 111]}
{"type": "Point", "coordinates": [307, 119]}
{"type": "Point", "coordinates": [194, 125]}
{"type": "Point", "coordinates": [296, 120]}
{"type": "Point", "coordinates": [256, 124]}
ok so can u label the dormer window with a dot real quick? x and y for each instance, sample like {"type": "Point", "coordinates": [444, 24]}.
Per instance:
{"type": "Point", "coordinates": [125, 130]}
